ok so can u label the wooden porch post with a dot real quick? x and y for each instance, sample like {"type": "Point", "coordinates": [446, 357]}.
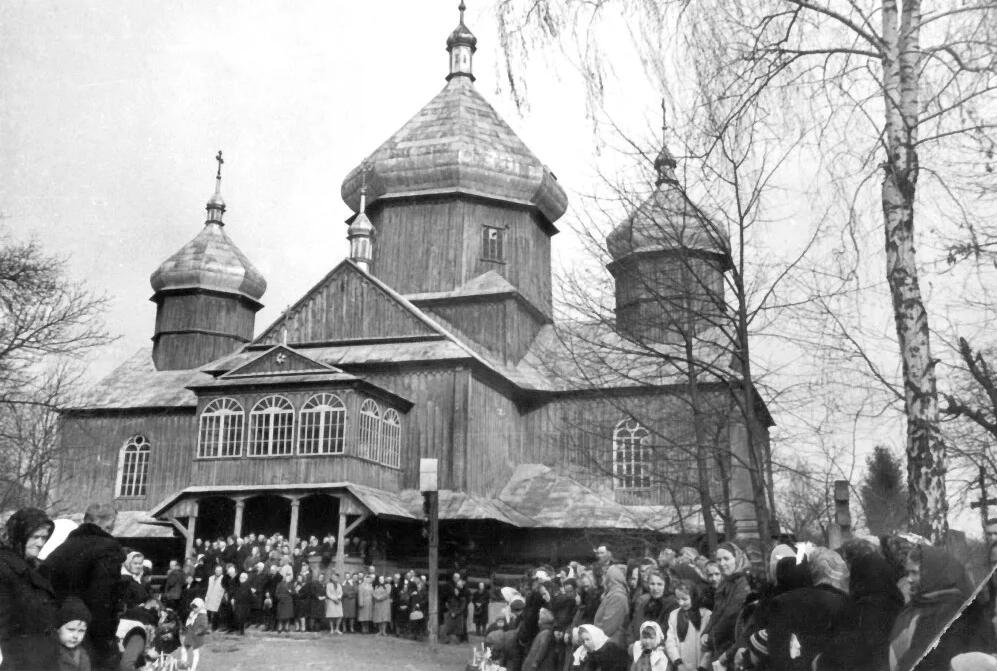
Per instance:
{"type": "Point", "coordinates": [240, 508]}
{"type": "Point", "coordinates": [295, 510]}
{"type": "Point", "coordinates": [341, 541]}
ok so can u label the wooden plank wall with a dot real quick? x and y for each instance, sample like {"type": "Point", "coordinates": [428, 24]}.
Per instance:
{"type": "Point", "coordinates": [347, 305]}
{"type": "Point", "coordinates": [230, 318]}
{"type": "Point", "coordinates": [502, 325]}
{"type": "Point", "coordinates": [294, 470]}
{"type": "Point", "coordinates": [434, 244]}
{"type": "Point", "coordinates": [494, 435]}
{"type": "Point", "coordinates": [92, 445]}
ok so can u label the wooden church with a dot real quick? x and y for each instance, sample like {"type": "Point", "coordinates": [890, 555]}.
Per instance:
{"type": "Point", "coordinates": [435, 339]}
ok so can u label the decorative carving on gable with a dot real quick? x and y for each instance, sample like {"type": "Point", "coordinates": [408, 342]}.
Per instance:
{"type": "Point", "coordinates": [280, 361]}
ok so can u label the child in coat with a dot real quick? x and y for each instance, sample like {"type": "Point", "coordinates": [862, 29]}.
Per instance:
{"type": "Point", "coordinates": [194, 631]}
{"type": "Point", "coordinates": [648, 652]}
{"type": "Point", "coordinates": [685, 627]}
{"type": "Point", "coordinates": [74, 617]}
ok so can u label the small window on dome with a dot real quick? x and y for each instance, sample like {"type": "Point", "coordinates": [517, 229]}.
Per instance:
{"type": "Point", "coordinates": [493, 243]}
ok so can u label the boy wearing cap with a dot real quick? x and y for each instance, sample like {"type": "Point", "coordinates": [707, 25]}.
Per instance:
{"type": "Point", "coordinates": [74, 617]}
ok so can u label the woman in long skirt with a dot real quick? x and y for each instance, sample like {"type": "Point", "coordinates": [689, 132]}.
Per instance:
{"type": "Point", "coordinates": [334, 604]}
{"type": "Point", "coordinates": [382, 606]}
{"type": "Point", "coordinates": [284, 605]}
{"type": "Point", "coordinates": [365, 603]}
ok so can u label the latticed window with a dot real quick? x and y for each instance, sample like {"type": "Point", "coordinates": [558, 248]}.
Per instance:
{"type": "Point", "coordinates": [271, 427]}
{"type": "Point", "coordinates": [493, 243]}
{"type": "Point", "coordinates": [220, 433]}
{"type": "Point", "coordinates": [323, 425]}
{"type": "Point", "coordinates": [631, 456]}
{"type": "Point", "coordinates": [369, 439]}
{"type": "Point", "coordinates": [391, 439]}
{"type": "Point", "coordinates": [133, 467]}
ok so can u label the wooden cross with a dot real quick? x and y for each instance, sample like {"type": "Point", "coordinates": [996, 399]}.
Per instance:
{"type": "Point", "coordinates": [220, 161]}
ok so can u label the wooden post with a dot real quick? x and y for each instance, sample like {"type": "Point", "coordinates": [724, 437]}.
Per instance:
{"type": "Point", "coordinates": [189, 550]}
{"type": "Point", "coordinates": [240, 509]}
{"type": "Point", "coordinates": [295, 510]}
{"type": "Point", "coordinates": [433, 504]}
{"type": "Point", "coordinates": [428, 485]}
{"type": "Point", "coordinates": [841, 530]}
{"type": "Point", "coordinates": [341, 542]}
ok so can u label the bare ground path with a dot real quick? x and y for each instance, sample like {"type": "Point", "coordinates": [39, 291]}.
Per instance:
{"type": "Point", "coordinates": [258, 652]}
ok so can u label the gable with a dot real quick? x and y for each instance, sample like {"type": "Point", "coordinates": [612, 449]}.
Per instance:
{"type": "Point", "coordinates": [346, 305]}
{"type": "Point", "coordinates": [280, 361]}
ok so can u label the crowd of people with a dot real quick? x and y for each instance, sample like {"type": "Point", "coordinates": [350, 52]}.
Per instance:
{"type": "Point", "coordinates": [895, 603]}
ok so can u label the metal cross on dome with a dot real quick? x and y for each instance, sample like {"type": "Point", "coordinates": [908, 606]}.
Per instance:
{"type": "Point", "coordinates": [220, 161]}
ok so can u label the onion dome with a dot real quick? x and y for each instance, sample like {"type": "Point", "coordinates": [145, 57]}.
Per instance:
{"type": "Point", "coordinates": [667, 220]}
{"type": "Point", "coordinates": [211, 260]}
{"type": "Point", "coordinates": [458, 143]}
{"type": "Point", "coordinates": [361, 234]}
{"type": "Point", "coordinates": [461, 34]}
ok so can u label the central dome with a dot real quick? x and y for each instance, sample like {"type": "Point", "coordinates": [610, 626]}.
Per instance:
{"type": "Point", "coordinates": [457, 143]}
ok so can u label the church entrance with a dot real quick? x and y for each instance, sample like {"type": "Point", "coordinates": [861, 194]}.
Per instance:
{"type": "Point", "coordinates": [266, 514]}
{"type": "Point", "coordinates": [214, 517]}
{"type": "Point", "coordinates": [319, 516]}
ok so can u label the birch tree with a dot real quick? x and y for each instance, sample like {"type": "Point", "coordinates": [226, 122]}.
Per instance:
{"type": "Point", "coordinates": [896, 96]}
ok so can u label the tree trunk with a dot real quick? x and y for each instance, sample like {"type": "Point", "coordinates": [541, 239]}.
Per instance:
{"type": "Point", "coordinates": [927, 504]}
{"type": "Point", "coordinates": [702, 466]}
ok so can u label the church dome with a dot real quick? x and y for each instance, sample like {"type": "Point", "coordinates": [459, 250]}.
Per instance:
{"type": "Point", "coordinates": [210, 261]}
{"type": "Point", "coordinates": [457, 143]}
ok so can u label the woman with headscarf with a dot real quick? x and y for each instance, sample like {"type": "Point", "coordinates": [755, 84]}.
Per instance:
{"type": "Point", "coordinates": [28, 609]}
{"type": "Point", "coordinates": [720, 634]}
{"type": "Point", "coordinates": [647, 652]}
{"type": "Point", "coordinates": [938, 585]}
{"type": "Point", "coordinates": [862, 643]}
{"type": "Point", "coordinates": [598, 652]}
{"type": "Point", "coordinates": [685, 624]}
{"type": "Point", "coordinates": [810, 616]}
{"type": "Point", "coordinates": [133, 590]}
{"type": "Point", "coordinates": [614, 608]}
{"type": "Point", "coordinates": [194, 630]}
{"type": "Point", "coordinates": [655, 605]}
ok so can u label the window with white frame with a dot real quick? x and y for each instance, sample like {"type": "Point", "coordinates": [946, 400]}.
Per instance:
{"type": "Point", "coordinates": [220, 432]}
{"type": "Point", "coordinates": [492, 243]}
{"type": "Point", "coordinates": [322, 425]}
{"type": "Point", "coordinates": [133, 467]}
{"type": "Point", "coordinates": [369, 439]}
{"type": "Point", "coordinates": [631, 456]}
{"type": "Point", "coordinates": [391, 440]}
{"type": "Point", "coordinates": [271, 427]}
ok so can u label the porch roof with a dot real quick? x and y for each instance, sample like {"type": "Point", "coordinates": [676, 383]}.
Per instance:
{"type": "Point", "coordinates": [380, 502]}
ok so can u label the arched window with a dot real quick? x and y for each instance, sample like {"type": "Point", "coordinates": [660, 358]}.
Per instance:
{"type": "Point", "coordinates": [271, 427]}
{"type": "Point", "coordinates": [220, 433]}
{"type": "Point", "coordinates": [323, 424]}
{"type": "Point", "coordinates": [133, 467]}
{"type": "Point", "coordinates": [631, 456]}
{"type": "Point", "coordinates": [370, 430]}
{"type": "Point", "coordinates": [391, 439]}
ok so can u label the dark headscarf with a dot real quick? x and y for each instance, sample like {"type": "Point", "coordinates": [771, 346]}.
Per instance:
{"type": "Point", "coordinates": [684, 617]}
{"type": "Point", "coordinates": [872, 575]}
{"type": "Point", "coordinates": [741, 564]}
{"type": "Point", "coordinates": [22, 524]}
{"type": "Point", "coordinates": [790, 575]}
{"type": "Point", "coordinates": [942, 576]}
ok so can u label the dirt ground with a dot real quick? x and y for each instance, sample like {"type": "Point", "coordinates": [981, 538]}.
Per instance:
{"type": "Point", "coordinates": [257, 651]}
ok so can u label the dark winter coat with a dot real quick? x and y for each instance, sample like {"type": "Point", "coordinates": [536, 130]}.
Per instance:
{"type": "Point", "coordinates": [88, 565]}
{"type": "Point", "coordinates": [647, 608]}
{"type": "Point", "coordinates": [27, 616]}
{"type": "Point", "coordinates": [814, 615]}
{"type": "Point", "coordinates": [173, 588]}
{"type": "Point", "coordinates": [862, 643]}
{"type": "Point", "coordinates": [729, 600]}
{"type": "Point", "coordinates": [133, 593]}
{"type": "Point", "coordinates": [610, 657]}
{"type": "Point", "coordinates": [541, 655]}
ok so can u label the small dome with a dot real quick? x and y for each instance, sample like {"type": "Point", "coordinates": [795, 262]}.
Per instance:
{"type": "Point", "coordinates": [458, 142]}
{"type": "Point", "coordinates": [666, 221]}
{"type": "Point", "coordinates": [210, 261]}
{"type": "Point", "coordinates": [461, 34]}
{"type": "Point", "coordinates": [361, 225]}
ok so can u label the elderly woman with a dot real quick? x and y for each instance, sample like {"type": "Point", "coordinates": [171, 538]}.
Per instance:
{"type": "Point", "coordinates": [598, 652]}
{"type": "Point", "coordinates": [611, 616]}
{"type": "Point", "coordinates": [720, 634]}
{"type": "Point", "coordinates": [28, 607]}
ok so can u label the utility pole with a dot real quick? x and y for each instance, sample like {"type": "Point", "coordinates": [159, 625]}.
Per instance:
{"type": "Point", "coordinates": [431, 504]}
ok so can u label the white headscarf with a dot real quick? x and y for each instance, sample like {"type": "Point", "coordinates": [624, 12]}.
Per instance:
{"type": "Point", "coordinates": [196, 608]}
{"type": "Point", "coordinates": [637, 649]}
{"type": "Point", "coordinates": [598, 637]}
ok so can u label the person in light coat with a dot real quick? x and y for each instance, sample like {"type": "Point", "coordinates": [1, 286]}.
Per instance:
{"type": "Point", "coordinates": [685, 627]}
{"type": "Point", "coordinates": [647, 652]}
{"type": "Point", "coordinates": [214, 595]}
{"type": "Point", "coordinates": [365, 603]}
{"type": "Point", "coordinates": [614, 609]}
{"type": "Point", "coordinates": [334, 604]}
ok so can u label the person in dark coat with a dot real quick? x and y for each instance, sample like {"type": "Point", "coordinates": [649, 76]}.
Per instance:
{"type": "Point", "coordinates": [939, 585]}
{"type": "Point", "coordinates": [242, 603]}
{"type": "Point", "coordinates": [654, 605]}
{"type": "Point", "coordinates": [814, 615]}
{"type": "Point", "coordinates": [173, 588]}
{"type": "Point", "coordinates": [88, 565]}
{"type": "Point", "coordinates": [720, 634]}
{"type": "Point", "coordinates": [862, 644]}
{"type": "Point", "coordinates": [598, 653]}
{"type": "Point", "coordinates": [479, 605]}
{"type": "Point", "coordinates": [28, 607]}
{"type": "Point", "coordinates": [133, 590]}
{"type": "Point", "coordinates": [542, 655]}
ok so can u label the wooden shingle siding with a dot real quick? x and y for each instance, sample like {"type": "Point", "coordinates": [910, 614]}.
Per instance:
{"type": "Point", "coordinates": [502, 325]}
{"type": "Point", "coordinates": [193, 328]}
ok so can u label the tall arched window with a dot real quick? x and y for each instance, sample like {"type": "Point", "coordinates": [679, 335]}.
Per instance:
{"type": "Point", "coordinates": [133, 467]}
{"type": "Point", "coordinates": [391, 439]}
{"type": "Point", "coordinates": [370, 430]}
{"type": "Point", "coordinates": [323, 423]}
{"type": "Point", "coordinates": [271, 427]}
{"type": "Point", "coordinates": [631, 456]}
{"type": "Point", "coordinates": [220, 433]}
